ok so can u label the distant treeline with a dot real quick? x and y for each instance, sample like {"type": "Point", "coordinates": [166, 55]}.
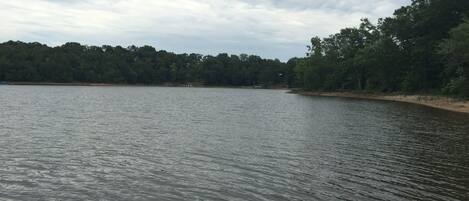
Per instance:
{"type": "Point", "coordinates": [73, 62]}
{"type": "Point", "coordinates": [423, 48]}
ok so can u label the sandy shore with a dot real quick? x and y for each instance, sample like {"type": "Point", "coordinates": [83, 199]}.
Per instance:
{"type": "Point", "coordinates": [444, 103]}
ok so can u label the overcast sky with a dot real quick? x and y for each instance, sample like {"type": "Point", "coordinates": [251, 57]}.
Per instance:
{"type": "Point", "coordinates": [269, 28]}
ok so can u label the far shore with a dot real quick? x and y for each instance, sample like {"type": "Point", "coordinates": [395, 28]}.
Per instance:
{"type": "Point", "coordinates": [57, 84]}
{"type": "Point", "coordinates": [440, 102]}
{"type": "Point", "coordinates": [169, 84]}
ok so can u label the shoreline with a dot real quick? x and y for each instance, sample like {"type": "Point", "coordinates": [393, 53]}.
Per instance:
{"type": "Point", "coordinates": [169, 84]}
{"type": "Point", "coordinates": [439, 102]}
{"type": "Point", "coordinates": [56, 84]}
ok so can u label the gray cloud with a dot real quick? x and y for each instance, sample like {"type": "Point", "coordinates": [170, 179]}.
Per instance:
{"type": "Point", "coordinates": [270, 28]}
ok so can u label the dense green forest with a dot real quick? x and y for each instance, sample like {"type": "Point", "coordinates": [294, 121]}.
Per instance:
{"type": "Point", "coordinates": [72, 62]}
{"type": "Point", "coordinates": [423, 48]}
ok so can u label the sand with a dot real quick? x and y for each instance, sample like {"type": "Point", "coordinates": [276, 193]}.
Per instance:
{"type": "Point", "coordinates": [439, 102]}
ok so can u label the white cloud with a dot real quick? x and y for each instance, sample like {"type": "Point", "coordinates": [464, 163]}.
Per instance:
{"type": "Point", "coordinates": [270, 28]}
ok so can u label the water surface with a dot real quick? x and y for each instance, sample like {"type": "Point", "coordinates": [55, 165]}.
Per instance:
{"type": "Point", "coordinates": [151, 143]}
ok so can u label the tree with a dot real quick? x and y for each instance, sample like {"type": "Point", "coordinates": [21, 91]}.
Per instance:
{"type": "Point", "coordinates": [456, 53]}
{"type": "Point", "coordinates": [73, 62]}
{"type": "Point", "coordinates": [401, 53]}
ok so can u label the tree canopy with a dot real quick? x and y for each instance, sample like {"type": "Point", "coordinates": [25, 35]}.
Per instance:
{"type": "Point", "coordinates": [418, 49]}
{"type": "Point", "coordinates": [73, 62]}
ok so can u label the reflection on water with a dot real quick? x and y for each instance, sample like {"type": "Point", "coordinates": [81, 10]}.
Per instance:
{"type": "Point", "coordinates": [150, 143]}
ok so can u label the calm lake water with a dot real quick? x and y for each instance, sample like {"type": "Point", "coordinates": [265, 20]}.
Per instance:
{"type": "Point", "coordinates": [152, 143]}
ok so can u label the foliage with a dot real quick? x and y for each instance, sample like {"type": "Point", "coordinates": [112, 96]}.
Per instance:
{"type": "Point", "coordinates": [456, 52]}
{"type": "Point", "coordinates": [73, 62]}
{"type": "Point", "coordinates": [401, 53]}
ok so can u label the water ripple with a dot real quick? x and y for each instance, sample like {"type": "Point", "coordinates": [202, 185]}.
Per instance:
{"type": "Point", "coordinates": [150, 143]}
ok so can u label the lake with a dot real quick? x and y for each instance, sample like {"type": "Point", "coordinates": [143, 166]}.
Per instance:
{"type": "Point", "coordinates": [155, 143]}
